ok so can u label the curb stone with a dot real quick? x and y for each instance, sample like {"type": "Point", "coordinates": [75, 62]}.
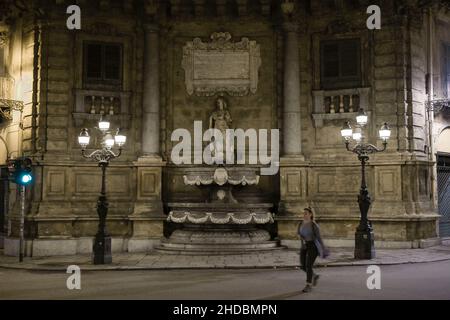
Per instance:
{"type": "Point", "coordinates": [28, 267]}
{"type": "Point", "coordinates": [288, 259]}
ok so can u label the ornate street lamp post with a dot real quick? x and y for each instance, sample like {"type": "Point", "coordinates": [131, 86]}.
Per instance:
{"type": "Point", "coordinates": [364, 237]}
{"type": "Point", "coordinates": [102, 242]}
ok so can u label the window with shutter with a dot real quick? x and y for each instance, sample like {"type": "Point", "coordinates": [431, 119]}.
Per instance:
{"type": "Point", "coordinates": [102, 63]}
{"type": "Point", "coordinates": [112, 62]}
{"type": "Point", "coordinates": [340, 64]}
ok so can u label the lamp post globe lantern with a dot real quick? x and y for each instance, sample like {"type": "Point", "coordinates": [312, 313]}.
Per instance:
{"type": "Point", "coordinates": [120, 138]}
{"type": "Point", "coordinates": [347, 131]}
{"type": "Point", "coordinates": [108, 141]}
{"type": "Point", "coordinates": [102, 242]}
{"type": "Point", "coordinates": [103, 125]}
{"type": "Point", "coordinates": [362, 117]}
{"type": "Point", "coordinates": [385, 132]}
{"type": "Point", "coordinates": [364, 236]}
{"type": "Point", "coordinates": [357, 134]}
{"type": "Point", "coordinates": [84, 138]}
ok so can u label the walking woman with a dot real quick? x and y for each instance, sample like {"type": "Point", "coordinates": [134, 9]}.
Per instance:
{"type": "Point", "coordinates": [312, 246]}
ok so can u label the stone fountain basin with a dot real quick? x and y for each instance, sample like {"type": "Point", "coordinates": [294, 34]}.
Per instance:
{"type": "Point", "coordinates": [221, 213]}
{"type": "Point", "coordinates": [213, 239]}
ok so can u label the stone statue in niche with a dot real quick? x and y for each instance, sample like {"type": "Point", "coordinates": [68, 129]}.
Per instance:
{"type": "Point", "coordinates": [220, 119]}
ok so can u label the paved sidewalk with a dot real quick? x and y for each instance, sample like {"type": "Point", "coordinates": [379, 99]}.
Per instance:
{"type": "Point", "coordinates": [283, 258]}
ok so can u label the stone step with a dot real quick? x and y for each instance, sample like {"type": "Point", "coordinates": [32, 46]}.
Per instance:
{"type": "Point", "coordinates": [217, 249]}
{"type": "Point", "coordinates": [221, 246]}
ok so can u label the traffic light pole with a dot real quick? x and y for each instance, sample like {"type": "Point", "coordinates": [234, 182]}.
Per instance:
{"type": "Point", "coordinates": [20, 172]}
{"type": "Point", "coordinates": [22, 222]}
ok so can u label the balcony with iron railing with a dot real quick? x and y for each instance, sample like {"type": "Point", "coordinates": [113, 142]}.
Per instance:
{"type": "Point", "coordinates": [437, 105]}
{"type": "Point", "coordinates": [7, 103]}
{"type": "Point", "coordinates": [338, 104]}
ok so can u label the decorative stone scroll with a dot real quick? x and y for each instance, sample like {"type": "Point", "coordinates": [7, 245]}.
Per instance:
{"type": "Point", "coordinates": [221, 66]}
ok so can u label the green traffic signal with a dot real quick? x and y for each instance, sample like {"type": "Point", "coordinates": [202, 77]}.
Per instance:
{"type": "Point", "coordinates": [20, 171]}
{"type": "Point", "coordinates": [25, 179]}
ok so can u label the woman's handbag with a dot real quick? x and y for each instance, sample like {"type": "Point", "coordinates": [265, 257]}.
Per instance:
{"type": "Point", "coordinates": [323, 251]}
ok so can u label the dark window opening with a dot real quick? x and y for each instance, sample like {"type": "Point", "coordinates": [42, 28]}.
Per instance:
{"type": "Point", "coordinates": [102, 63]}
{"type": "Point", "coordinates": [443, 159]}
{"type": "Point", "coordinates": [340, 65]}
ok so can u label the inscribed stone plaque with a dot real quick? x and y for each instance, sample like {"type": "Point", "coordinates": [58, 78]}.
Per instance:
{"type": "Point", "coordinates": [221, 66]}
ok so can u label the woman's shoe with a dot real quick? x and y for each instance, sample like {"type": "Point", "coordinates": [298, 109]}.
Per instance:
{"type": "Point", "coordinates": [315, 280]}
{"type": "Point", "coordinates": [307, 288]}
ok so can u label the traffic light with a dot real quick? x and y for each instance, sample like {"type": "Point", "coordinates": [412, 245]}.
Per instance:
{"type": "Point", "coordinates": [20, 171]}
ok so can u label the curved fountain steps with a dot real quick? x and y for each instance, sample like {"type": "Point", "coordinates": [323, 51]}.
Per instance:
{"type": "Point", "coordinates": [212, 239]}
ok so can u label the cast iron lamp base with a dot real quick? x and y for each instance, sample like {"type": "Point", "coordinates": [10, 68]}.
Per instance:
{"type": "Point", "coordinates": [102, 250]}
{"type": "Point", "coordinates": [364, 245]}
{"type": "Point", "coordinates": [102, 242]}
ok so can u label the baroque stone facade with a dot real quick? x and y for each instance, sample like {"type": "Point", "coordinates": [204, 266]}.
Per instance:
{"type": "Point", "coordinates": [281, 86]}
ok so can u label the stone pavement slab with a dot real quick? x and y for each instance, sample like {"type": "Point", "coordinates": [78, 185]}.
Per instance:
{"type": "Point", "coordinates": [284, 258]}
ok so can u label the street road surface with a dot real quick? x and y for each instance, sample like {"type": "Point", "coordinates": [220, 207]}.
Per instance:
{"type": "Point", "coordinates": [407, 281]}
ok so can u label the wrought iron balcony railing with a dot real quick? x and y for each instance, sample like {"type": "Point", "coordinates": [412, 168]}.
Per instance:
{"type": "Point", "coordinates": [438, 105]}
{"type": "Point", "coordinates": [7, 104]}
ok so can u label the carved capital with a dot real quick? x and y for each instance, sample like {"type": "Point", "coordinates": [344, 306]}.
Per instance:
{"type": "Point", "coordinates": [151, 7]}
{"type": "Point", "coordinates": [288, 8]}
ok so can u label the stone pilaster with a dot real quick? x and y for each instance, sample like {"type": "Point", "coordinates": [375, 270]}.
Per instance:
{"type": "Point", "coordinates": [148, 214]}
{"type": "Point", "coordinates": [291, 92]}
{"type": "Point", "coordinates": [150, 99]}
{"type": "Point", "coordinates": [293, 174]}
